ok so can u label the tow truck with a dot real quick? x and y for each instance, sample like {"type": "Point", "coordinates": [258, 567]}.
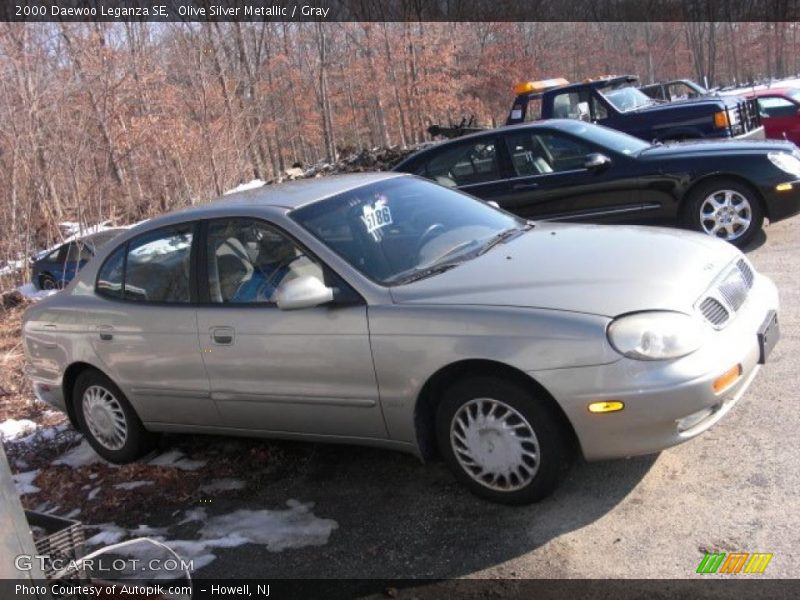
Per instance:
{"type": "Point", "coordinates": [616, 102]}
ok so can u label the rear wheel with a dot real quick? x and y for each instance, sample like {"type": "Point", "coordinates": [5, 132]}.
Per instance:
{"type": "Point", "coordinates": [108, 421]}
{"type": "Point", "coordinates": [500, 441]}
{"type": "Point", "coordinates": [47, 282]}
{"type": "Point", "coordinates": [726, 209]}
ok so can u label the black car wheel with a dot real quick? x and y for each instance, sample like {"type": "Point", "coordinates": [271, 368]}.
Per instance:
{"type": "Point", "coordinates": [47, 282]}
{"type": "Point", "coordinates": [500, 441]}
{"type": "Point", "coordinates": [726, 209]}
{"type": "Point", "coordinates": [108, 421]}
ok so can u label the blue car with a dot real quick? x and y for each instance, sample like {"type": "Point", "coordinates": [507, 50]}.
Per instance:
{"type": "Point", "coordinates": [56, 269]}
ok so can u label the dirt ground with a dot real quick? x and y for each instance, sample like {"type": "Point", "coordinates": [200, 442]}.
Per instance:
{"type": "Point", "coordinates": [732, 489]}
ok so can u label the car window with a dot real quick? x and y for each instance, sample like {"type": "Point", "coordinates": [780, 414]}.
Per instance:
{"type": "Point", "coordinates": [53, 256]}
{"type": "Point", "coordinates": [248, 261]}
{"type": "Point", "coordinates": [535, 152]}
{"type": "Point", "coordinates": [774, 106]}
{"type": "Point", "coordinates": [462, 164]}
{"type": "Point", "coordinates": [534, 111]}
{"type": "Point", "coordinates": [111, 274]}
{"type": "Point", "coordinates": [568, 105]}
{"type": "Point", "coordinates": [599, 110]}
{"type": "Point", "coordinates": [158, 265]}
{"type": "Point", "coordinates": [394, 228]}
{"type": "Point", "coordinates": [681, 91]}
{"type": "Point", "coordinates": [77, 252]}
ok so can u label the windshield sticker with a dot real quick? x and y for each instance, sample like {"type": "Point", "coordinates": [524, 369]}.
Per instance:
{"type": "Point", "coordinates": [376, 216]}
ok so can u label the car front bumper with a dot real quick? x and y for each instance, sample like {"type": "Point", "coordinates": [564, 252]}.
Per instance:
{"type": "Point", "coordinates": [666, 402]}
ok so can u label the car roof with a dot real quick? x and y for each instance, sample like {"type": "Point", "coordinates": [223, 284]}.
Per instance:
{"type": "Point", "coordinates": [774, 91]}
{"type": "Point", "coordinates": [282, 196]}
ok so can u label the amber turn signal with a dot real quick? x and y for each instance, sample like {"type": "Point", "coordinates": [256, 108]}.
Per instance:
{"type": "Point", "coordinates": [606, 406]}
{"type": "Point", "coordinates": [727, 379]}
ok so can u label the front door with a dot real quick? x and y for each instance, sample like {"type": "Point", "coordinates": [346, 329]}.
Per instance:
{"type": "Point", "coordinates": [551, 181]}
{"type": "Point", "coordinates": [780, 117]}
{"type": "Point", "coordinates": [299, 371]}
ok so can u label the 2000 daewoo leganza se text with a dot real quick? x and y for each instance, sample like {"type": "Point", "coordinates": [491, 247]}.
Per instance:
{"type": "Point", "coordinates": [388, 310]}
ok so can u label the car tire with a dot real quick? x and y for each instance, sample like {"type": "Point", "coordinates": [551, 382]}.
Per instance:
{"type": "Point", "coordinates": [108, 421]}
{"type": "Point", "coordinates": [718, 204]}
{"type": "Point", "coordinates": [472, 431]}
{"type": "Point", "coordinates": [47, 282]}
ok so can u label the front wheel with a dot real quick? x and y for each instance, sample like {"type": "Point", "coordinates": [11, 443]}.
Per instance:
{"type": "Point", "coordinates": [108, 421]}
{"type": "Point", "coordinates": [725, 209]}
{"type": "Point", "coordinates": [47, 282]}
{"type": "Point", "coordinates": [500, 441]}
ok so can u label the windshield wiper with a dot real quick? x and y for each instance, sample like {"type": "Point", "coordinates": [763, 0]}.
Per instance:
{"type": "Point", "coordinates": [426, 272]}
{"type": "Point", "coordinates": [503, 236]}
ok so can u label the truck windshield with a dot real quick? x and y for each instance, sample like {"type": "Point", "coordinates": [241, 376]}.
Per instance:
{"type": "Point", "coordinates": [625, 98]}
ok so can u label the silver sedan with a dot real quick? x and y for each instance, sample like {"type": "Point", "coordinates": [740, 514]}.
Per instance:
{"type": "Point", "coordinates": [383, 309]}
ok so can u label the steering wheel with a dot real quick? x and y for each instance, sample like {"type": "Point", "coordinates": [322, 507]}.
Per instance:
{"type": "Point", "coordinates": [431, 232]}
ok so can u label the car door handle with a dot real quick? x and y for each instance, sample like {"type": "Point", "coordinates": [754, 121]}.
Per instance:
{"type": "Point", "coordinates": [524, 186]}
{"type": "Point", "coordinates": [222, 336]}
{"type": "Point", "coordinates": [105, 332]}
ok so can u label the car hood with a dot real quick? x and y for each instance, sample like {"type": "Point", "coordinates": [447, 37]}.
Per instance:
{"type": "Point", "coordinates": [598, 269]}
{"type": "Point", "coordinates": [679, 149]}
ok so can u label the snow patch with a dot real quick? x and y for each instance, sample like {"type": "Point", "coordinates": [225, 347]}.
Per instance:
{"type": "Point", "coordinates": [12, 429]}
{"type": "Point", "coordinates": [24, 482]}
{"type": "Point", "coordinates": [29, 291]}
{"type": "Point", "coordinates": [223, 485]}
{"type": "Point", "coordinates": [176, 458]}
{"type": "Point", "coordinates": [109, 534]}
{"type": "Point", "coordinates": [80, 456]}
{"type": "Point", "coordinates": [250, 185]}
{"type": "Point", "coordinates": [93, 494]}
{"type": "Point", "coordinates": [132, 485]}
{"type": "Point", "coordinates": [195, 514]}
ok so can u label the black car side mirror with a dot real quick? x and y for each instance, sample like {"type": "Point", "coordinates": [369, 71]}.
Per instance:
{"type": "Point", "coordinates": [596, 161]}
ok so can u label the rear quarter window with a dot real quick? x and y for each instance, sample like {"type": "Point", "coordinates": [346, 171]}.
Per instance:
{"type": "Point", "coordinates": [110, 276]}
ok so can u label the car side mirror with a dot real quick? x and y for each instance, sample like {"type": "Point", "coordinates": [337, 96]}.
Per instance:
{"type": "Point", "coordinates": [303, 292]}
{"type": "Point", "coordinates": [596, 161]}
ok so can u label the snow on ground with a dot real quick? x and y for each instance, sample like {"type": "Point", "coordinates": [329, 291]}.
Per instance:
{"type": "Point", "coordinates": [294, 527]}
{"type": "Point", "coordinates": [79, 456]}
{"type": "Point", "coordinates": [176, 458]}
{"type": "Point", "coordinates": [132, 485]}
{"type": "Point", "coordinates": [29, 291]}
{"type": "Point", "coordinates": [255, 183]}
{"type": "Point", "coordinates": [24, 482]}
{"type": "Point", "coordinates": [223, 485]}
{"type": "Point", "coordinates": [12, 429]}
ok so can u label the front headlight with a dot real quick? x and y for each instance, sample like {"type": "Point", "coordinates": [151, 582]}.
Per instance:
{"type": "Point", "coordinates": [656, 335]}
{"type": "Point", "coordinates": [788, 163]}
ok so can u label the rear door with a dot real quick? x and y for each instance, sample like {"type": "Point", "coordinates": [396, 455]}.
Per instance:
{"type": "Point", "coordinates": [143, 326]}
{"type": "Point", "coordinates": [551, 181]}
{"type": "Point", "coordinates": [473, 166]}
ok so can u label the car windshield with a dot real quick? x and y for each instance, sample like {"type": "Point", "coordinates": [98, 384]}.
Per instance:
{"type": "Point", "coordinates": [794, 95]}
{"type": "Point", "coordinates": [607, 138]}
{"type": "Point", "coordinates": [625, 98]}
{"type": "Point", "coordinates": [398, 230]}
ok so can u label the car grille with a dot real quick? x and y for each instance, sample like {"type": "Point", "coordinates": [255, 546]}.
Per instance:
{"type": "Point", "coordinates": [727, 295]}
{"type": "Point", "coordinates": [748, 116]}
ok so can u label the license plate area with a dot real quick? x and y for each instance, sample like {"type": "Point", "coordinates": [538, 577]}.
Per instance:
{"type": "Point", "coordinates": [768, 335]}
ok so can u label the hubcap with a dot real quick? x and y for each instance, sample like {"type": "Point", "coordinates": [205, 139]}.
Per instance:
{"type": "Point", "coordinates": [495, 444]}
{"type": "Point", "coordinates": [104, 417]}
{"type": "Point", "coordinates": [726, 214]}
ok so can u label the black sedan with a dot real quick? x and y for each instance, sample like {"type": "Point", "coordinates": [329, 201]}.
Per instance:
{"type": "Point", "coordinates": [570, 170]}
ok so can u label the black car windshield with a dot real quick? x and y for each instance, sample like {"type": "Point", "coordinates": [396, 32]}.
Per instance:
{"type": "Point", "coordinates": [626, 98]}
{"type": "Point", "coordinates": [401, 229]}
{"type": "Point", "coordinates": [607, 138]}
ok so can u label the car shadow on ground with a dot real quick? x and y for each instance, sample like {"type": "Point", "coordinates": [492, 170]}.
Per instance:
{"type": "Point", "coordinates": [759, 239]}
{"type": "Point", "coordinates": [399, 518]}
